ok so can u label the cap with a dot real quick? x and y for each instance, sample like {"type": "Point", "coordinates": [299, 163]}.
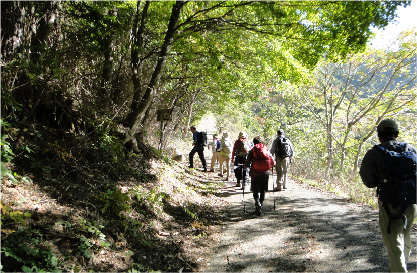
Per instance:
{"type": "Point", "coordinates": [192, 127]}
{"type": "Point", "coordinates": [388, 125]}
{"type": "Point", "coordinates": [257, 140]}
{"type": "Point", "coordinates": [280, 131]}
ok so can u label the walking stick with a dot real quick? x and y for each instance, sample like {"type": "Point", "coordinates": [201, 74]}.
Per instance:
{"type": "Point", "coordinates": [243, 191]}
{"type": "Point", "coordinates": [273, 185]}
{"type": "Point", "coordinates": [232, 173]}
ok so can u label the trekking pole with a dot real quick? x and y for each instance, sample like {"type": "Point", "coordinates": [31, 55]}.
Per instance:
{"type": "Point", "coordinates": [232, 171]}
{"type": "Point", "coordinates": [273, 185]}
{"type": "Point", "coordinates": [243, 191]}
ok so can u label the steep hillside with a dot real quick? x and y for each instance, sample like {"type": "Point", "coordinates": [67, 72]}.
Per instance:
{"type": "Point", "coordinates": [81, 204]}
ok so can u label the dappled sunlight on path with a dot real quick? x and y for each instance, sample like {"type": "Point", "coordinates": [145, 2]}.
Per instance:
{"type": "Point", "coordinates": [309, 230]}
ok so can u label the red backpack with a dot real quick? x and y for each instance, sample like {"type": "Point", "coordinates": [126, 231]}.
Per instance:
{"type": "Point", "coordinates": [262, 161]}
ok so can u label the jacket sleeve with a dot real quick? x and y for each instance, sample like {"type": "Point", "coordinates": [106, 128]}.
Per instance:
{"type": "Point", "coordinates": [234, 150]}
{"type": "Point", "coordinates": [369, 171]}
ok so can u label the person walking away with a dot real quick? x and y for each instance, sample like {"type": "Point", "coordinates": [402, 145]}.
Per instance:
{"type": "Point", "coordinates": [226, 147]}
{"type": "Point", "coordinates": [239, 153]}
{"type": "Point", "coordinates": [390, 166]}
{"type": "Point", "coordinates": [198, 144]}
{"type": "Point", "coordinates": [215, 149]}
{"type": "Point", "coordinates": [260, 161]}
{"type": "Point", "coordinates": [283, 151]}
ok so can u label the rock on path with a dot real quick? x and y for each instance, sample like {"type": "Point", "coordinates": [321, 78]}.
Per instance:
{"type": "Point", "coordinates": [309, 230]}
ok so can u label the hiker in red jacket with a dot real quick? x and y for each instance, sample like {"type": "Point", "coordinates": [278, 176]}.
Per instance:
{"type": "Point", "coordinates": [260, 161]}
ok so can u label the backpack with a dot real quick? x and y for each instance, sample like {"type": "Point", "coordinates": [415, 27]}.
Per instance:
{"type": "Point", "coordinates": [399, 182]}
{"type": "Point", "coordinates": [217, 145]}
{"type": "Point", "coordinates": [202, 138]}
{"type": "Point", "coordinates": [243, 147]}
{"type": "Point", "coordinates": [226, 149]}
{"type": "Point", "coordinates": [262, 160]}
{"type": "Point", "coordinates": [283, 148]}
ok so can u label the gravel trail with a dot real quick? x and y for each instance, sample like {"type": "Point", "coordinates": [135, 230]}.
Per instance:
{"type": "Point", "coordinates": [309, 231]}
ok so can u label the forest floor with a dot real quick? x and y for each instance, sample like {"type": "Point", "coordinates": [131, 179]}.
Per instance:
{"type": "Point", "coordinates": [302, 229]}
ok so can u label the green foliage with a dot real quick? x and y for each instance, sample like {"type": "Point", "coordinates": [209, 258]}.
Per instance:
{"type": "Point", "coordinates": [15, 217]}
{"type": "Point", "coordinates": [25, 250]}
{"type": "Point", "coordinates": [114, 202]}
{"type": "Point", "coordinates": [7, 153]}
{"type": "Point", "coordinates": [152, 199]}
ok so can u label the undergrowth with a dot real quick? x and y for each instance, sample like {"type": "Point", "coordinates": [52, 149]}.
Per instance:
{"type": "Point", "coordinates": [114, 205]}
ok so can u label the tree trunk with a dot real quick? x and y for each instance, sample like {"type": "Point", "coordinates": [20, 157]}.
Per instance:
{"type": "Point", "coordinates": [134, 119]}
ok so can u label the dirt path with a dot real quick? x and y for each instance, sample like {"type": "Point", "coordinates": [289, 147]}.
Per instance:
{"type": "Point", "coordinates": [309, 230]}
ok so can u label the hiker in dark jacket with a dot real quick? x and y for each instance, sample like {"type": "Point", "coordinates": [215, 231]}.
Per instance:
{"type": "Point", "coordinates": [283, 161]}
{"type": "Point", "coordinates": [198, 148]}
{"type": "Point", "coordinates": [259, 176]}
{"type": "Point", "coordinates": [239, 154]}
{"type": "Point", "coordinates": [395, 222]}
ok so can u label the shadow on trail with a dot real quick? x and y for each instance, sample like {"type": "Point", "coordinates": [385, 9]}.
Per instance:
{"type": "Point", "coordinates": [322, 233]}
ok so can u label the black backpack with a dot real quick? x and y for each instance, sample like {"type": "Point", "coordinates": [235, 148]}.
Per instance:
{"type": "Point", "coordinates": [283, 148]}
{"type": "Point", "coordinates": [202, 138]}
{"type": "Point", "coordinates": [399, 182]}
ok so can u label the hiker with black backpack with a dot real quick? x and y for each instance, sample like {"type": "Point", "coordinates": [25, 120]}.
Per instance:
{"type": "Point", "coordinates": [260, 161]}
{"type": "Point", "coordinates": [198, 142]}
{"type": "Point", "coordinates": [239, 153]}
{"type": "Point", "coordinates": [391, 167]}
{"type": "Point", "coordinates": [283, 151]}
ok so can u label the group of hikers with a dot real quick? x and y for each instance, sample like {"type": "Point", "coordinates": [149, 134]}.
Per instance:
{"type": "Point", "coordinates": [250, 159]}
{"type": "Point", "coordinates": [389, 166]}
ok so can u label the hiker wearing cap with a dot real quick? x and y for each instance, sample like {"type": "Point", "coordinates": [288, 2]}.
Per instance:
{"type": "Point", "coordinates": [260, 160]}
{"type": "Point", "coordinates": [283, 151]}
{"type": "Point", "coordinates": [239, 153]}
{"type": "Point", "coordinates": [390, 166]}
{"type": "Point", "coordinates": [198, 147]}
{"type": "Point", "coordinates": [225, 152]}
{"type": "Point", "coordinates": [215, 149]}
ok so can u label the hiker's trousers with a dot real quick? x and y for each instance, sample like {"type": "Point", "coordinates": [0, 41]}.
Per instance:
{"type": "Point", "coordinates": [214, 158]}
{"type": "Point", "coordinates": [224, 163]}
{"type": "Point", "coordinates": [281, 170]}
{"type": "Point", "coordinates": [398, 243]}
{"type": "Point", "coordinates": [200, 150]}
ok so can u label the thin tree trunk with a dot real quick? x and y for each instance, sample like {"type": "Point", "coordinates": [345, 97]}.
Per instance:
{"type": "Point", "coordinates": [135, 117]}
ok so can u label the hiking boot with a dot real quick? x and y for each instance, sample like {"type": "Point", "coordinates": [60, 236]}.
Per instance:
{"type": "Point", "coordinates": [227, 179]}
{"type": "Point", "coordinates": [258, 208]}
{"type": "Point", "coordinates": [205, 170]}
{"type": "Point", "coordinates": [212, 170]}
{"type": "Point", "coordinates": [277, 189]}
{"type": "Point", "coordinates": [238, 184]}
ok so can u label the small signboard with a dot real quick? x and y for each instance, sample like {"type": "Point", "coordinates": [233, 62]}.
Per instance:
{"type": "Point", "coordinates": [163, 115]}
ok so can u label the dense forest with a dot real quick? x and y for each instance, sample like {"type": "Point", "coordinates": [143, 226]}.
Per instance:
{"type": "Point", "coordinates": [83, 81]}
